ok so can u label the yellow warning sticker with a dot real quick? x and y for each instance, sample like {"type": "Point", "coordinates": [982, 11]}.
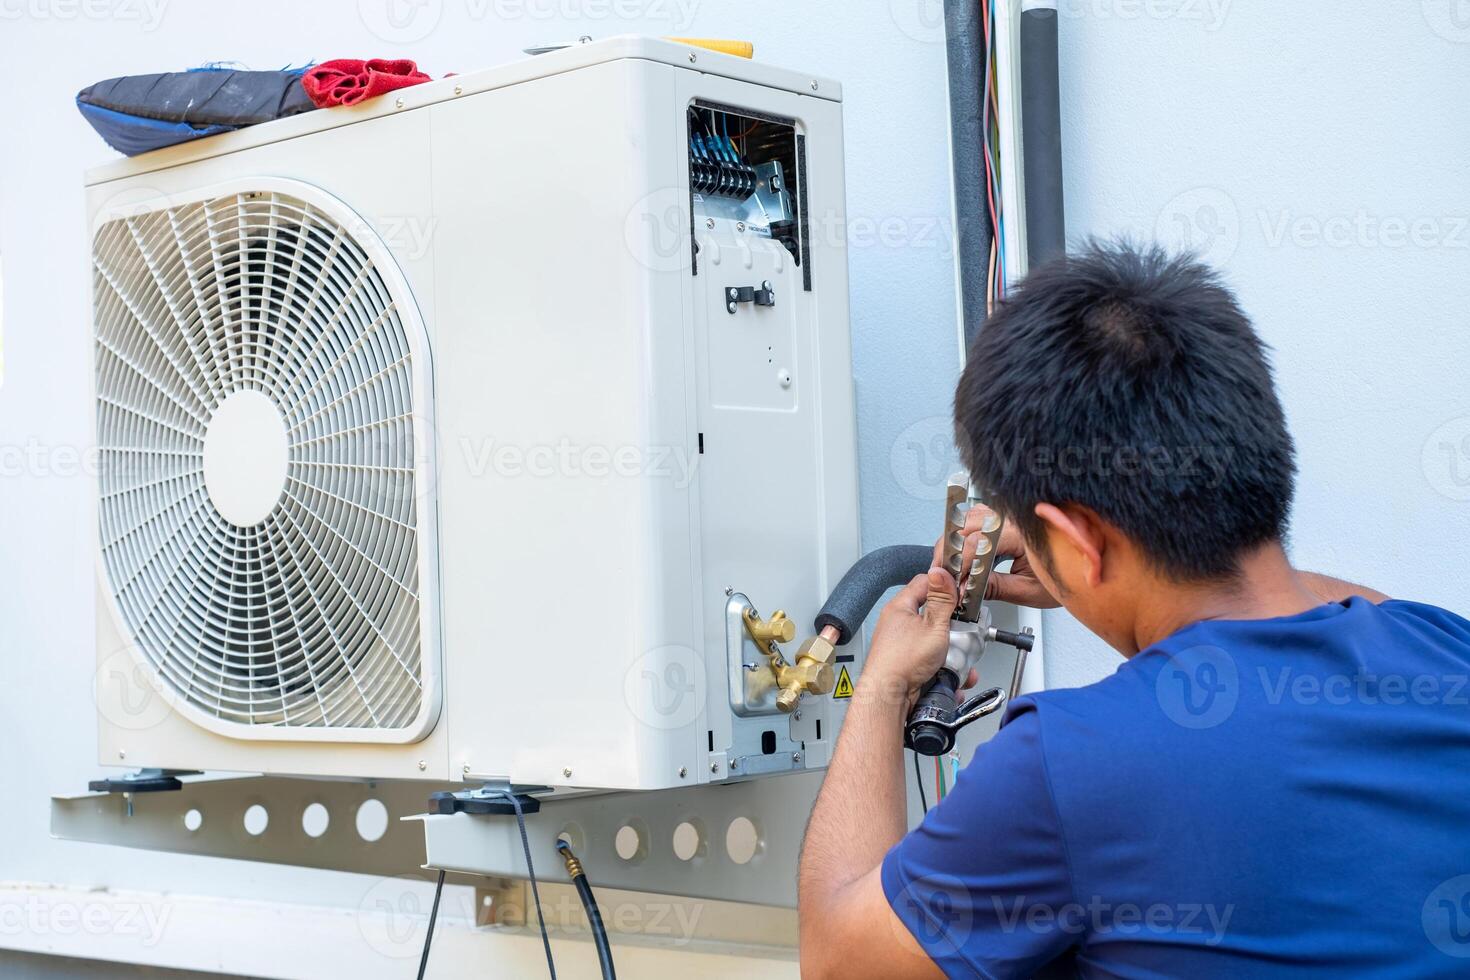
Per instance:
{"type": "Point", "coordinates": [844, 685]}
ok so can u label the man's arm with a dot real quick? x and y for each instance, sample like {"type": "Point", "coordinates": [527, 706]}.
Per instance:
{"type": "Point", "coordinates": [1336, 590]}
{"type": "Point", "coordinates": [847, 926]}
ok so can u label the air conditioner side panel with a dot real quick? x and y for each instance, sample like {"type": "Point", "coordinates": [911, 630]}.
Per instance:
{"type": "Point", "coordinates": [563, 433]}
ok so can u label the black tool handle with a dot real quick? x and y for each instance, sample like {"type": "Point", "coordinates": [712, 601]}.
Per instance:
{"type": "Point", "coordinates": [930, 726]}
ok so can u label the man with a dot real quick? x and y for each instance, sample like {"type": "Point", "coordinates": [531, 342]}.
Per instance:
{"type": "Point", "coordinates": [1275, 782]}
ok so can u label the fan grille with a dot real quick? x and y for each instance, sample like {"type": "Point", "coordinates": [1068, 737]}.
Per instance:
{"type": "Point", "coordinates": [310, 617]}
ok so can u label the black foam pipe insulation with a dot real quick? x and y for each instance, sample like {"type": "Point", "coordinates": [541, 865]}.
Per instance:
{"type": "Point", "coordinates": [874, 574]}
{"type": "Point", "coordinates": [1041, 134]}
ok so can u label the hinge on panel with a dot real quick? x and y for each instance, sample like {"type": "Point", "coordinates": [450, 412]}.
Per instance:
{"type": "Point", "coordinates": [764, 295]}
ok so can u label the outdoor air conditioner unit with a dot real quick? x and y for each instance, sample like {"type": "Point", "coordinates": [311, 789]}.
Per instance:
{"type": "Point", "coordinates": [447, 436]}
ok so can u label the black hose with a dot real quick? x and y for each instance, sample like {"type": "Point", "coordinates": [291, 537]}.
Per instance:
{"type": "Point", "coordinates": [965, 60]}
{"type": "Point", "coordinates": [866, 581]}
{"type": "Point", "coordinates": [589, 905]}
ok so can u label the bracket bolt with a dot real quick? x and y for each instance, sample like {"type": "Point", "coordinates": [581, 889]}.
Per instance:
{"type": "Point", "coordinates": [734, 764]}
{"type": "Point", "coordinates": [683, 772]}
{"type": "Point", "coordinates": [466, 769]}
{"type": "Point", "coordinates": [423, 765]}
{"type": "Point", "coordinates": [796, 757]}
{"type": "Point", "coordinates": [567, 773]}
{"type": "Point", "coordinates": [714, 767]}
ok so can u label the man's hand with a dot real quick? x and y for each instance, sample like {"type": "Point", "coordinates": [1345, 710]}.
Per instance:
{"type": "Point", "coordinates": [1019, 585]}
{"type": "Point", "coordinates": [912, 638]}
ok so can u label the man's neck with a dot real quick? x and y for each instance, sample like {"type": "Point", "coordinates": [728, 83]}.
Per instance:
{"type": "Point", "coordinates": [1266, 587]}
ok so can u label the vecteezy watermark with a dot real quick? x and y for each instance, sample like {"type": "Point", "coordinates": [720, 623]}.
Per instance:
{"type": "Point", "coordinates": [1207, 222]}
{"type": "Point", "coordinates": [1209, 14]}
{"type": "Point", "coordinates": [406, 21]}
{"type": "Point", "coordinates": [1204, 221]}
{"type": "Point", "coordinates": [1198, 687]}
{"type": "Point", "coordinates": [1363, 229]}
{"type": "Point", "coordinates": [657, 232]}
{"type": "Point", "coordinates": [147, 14]}
{"type": "Point", "coordinates": [1202, 686]}
{"type": "Point", "coordinates": [569, 459]}
{"type": "Point", "coordinates": [34, 458]}
{"type": "Point", "coordinates": [1446, 917]}
{"type": "Point", "coordinates": [666, 687]}
{"type": "Point", "coordinates": [1098, 917]}
{"type": "Point", "coordinates": [34, 915]}
{"type": "Point", "coordinates": [393, 915]}
{"type": "Point", "coordinates": [923, 456]}
{"type": "Point", "coordinates": [1301, 687]}
{"type": "Point", "coordinates": [1445, 459]}
{"type": "Point", "coordinates": [408, 235]}
{"type": "Point", "coordinates": [939, 910]}
{"type": "Point", "coordinates": [1450, 19]}
{"type": "Point", "coordinates": [128, 694]}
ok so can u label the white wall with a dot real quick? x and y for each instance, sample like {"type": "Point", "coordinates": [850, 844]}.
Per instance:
{"type": "Point", "coordinates": [1232, 116]}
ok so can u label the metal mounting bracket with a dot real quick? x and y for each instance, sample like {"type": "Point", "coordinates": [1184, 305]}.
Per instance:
{"type": "Point", "coordinates": [760, 820]}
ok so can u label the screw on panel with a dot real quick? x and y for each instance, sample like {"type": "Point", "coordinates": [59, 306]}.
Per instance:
{"type": "Point", "coordinates": [423, 765]}
{"type": "Point", "coordinates": [459, 90]}
{"type": "Point", "coordinates": [567, 773]}
{"type": "Point", "coordinates": [121, 754]}
{"type": "Point", "coordinates": [796, 757]}
{"type": "Point", "coordinates": [734, 764]}
{"type": "Point", "coordinates": [467, 769]}
{"type": "Point", "coordinates": [709, 222]}
{"type": "Point", "coordinates": [796, 715]}
{"type": "Point", "coordinates": [398, 103]}
{"type": "Point", "coordinates": [714, 767]}
{"type": "Point", "coordinates": [729, 590]}
{"type": "Point", "coordinates": [683, 772]}
{"type": "Point", "coordinates": [739, 226]}
{"type": "Point", "coordinates": [814, 85]}
{"type": "Point", "coordinates": [692, 58]}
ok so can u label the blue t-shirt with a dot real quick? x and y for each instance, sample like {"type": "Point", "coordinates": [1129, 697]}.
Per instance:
{"type": "Point", "coordinates": [1247, 798]}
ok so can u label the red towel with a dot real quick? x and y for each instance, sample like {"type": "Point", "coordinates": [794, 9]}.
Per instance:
{"type": "Point", "coordinates": [347, 81]}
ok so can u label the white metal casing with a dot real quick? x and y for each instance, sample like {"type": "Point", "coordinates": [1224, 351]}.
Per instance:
{"type": "Point", "coordinates": [539, 216]}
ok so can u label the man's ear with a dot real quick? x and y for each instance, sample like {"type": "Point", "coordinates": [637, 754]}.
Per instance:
{"type": "Point", "coordinates": [1078, 530]}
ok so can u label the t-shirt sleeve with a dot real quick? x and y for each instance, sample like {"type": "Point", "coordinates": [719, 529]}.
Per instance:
{"type": "Point", "coordinates": [983, 883]}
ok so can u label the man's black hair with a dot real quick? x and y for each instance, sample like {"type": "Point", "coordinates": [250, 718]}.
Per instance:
{"type": "Point", "coordinates": [1130, 382]}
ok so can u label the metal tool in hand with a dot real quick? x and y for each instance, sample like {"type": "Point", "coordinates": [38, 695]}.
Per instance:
{"type": "Point", "coordinates": [939, 715]}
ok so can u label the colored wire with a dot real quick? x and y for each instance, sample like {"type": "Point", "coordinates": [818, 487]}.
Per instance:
{"type": "Point", "coordinates": [919, 781]}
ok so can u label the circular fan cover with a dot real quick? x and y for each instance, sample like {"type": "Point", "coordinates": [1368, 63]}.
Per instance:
{"type": "Point", "coordinates": [258, 480]}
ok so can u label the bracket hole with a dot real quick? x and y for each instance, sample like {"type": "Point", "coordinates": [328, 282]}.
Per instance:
{"type": "Point", "coordinates": [631, 842]}
{"type": "Point", "coordinates": [689, 840]}
{"type": "Point", "coordinates": [314, 820]}
{"type": "Point", "coordinates": [193, 820]}
{"type": "Point", "coordinates": [742, 840]}
{"type": "Point", "coordinates": [372, 820]}
{"type": "Point", "coordinates": [257, 818]}
{"type": "Point", "coordinates": [572, 834]}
